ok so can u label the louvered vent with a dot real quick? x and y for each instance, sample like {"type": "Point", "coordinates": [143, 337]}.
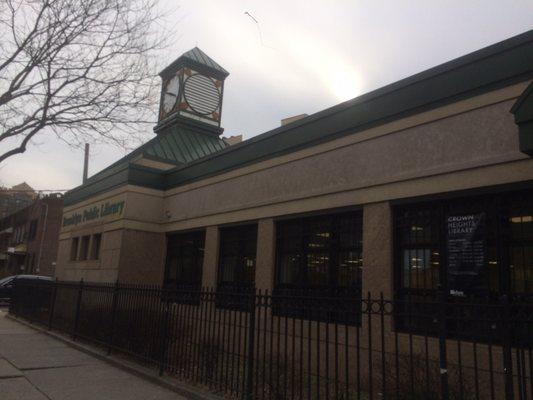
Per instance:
{"type": "Point", "coordinates": [201, 94]}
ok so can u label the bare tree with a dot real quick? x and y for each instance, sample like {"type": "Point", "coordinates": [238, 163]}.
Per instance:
{"type": "Point", "coordinates": [83, 70]}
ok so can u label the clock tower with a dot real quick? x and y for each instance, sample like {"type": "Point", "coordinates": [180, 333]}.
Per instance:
{"type": "Point", "coordinates": [192, 90]}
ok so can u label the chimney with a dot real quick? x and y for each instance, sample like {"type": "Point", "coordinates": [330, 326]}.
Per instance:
{"type": "Point", "coordinates": [233, 139]}
{"type": "Point", "coordinates": [86, 163]}
{"type": "Point", "coordinates": [288, 120]}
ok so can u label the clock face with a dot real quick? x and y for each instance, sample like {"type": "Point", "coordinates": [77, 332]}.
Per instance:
{"type": "Point", "coordinates": [171, 94]}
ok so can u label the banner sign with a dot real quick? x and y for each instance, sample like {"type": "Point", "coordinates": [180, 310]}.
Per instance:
{"type": "Point", "coordinates": [467, 250]}
{"type": "Point", "coordinates": [93, 213]}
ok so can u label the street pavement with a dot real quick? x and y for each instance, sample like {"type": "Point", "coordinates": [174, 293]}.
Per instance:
{"type": "Point", "coordinates": [35, 366]}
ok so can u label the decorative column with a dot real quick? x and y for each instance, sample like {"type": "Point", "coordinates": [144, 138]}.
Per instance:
{"type": "Point", "coordinates": [265, 262]}
{"type": "Point", "coordinates": [378, 250]}
{"type": "Point", "coordinates": [210, 267]}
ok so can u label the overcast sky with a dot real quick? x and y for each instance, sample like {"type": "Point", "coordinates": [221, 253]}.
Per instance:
{"type": "Point", "coordinates": [308, 55]}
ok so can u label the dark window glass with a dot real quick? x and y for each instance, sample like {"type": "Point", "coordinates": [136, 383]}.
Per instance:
{"type": "Point", "coordinates": [520, 247]}
{"type": "Point", "coordinates": [84, 248]}
{"type": "Point", "coordinates": [74, 248]}
{"type": "Point", "coordinates": [237, 256]}
{"type": "Point", "coordinates": [419, 255]}
{"type": "Point", "coordinates": [185, 258]}
{"type": "Point", "coordinates": [437, 244]}
{"type": "Point", "coordinates": [236, 272]}
{"type": "Point", "coordinates": [319, 260]}
{"type": "Point", "coordinates": [33, 230]}
{"type": "Point", "coordinates": [95, 247]}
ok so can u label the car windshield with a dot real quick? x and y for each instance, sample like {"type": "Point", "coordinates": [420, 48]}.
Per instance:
{"type": "Point", "coordinates": [5, 280]}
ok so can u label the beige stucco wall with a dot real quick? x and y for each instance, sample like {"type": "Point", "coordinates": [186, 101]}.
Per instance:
{"type": "Point", "coordinates": [377, 274]}
{"type": "Point", "coordinates": [142, 259]}
{"type": "Point", "coordinates": [104, 269]}
{"type": "Point", "coordinates": [469, 144]}
{"type": "Point", "coordinates": [473, 140]}
{"type": "Point", "coordinates": [131, 240]}
{"type": "Point", "coordinates": [210, 267]}
{"type": "Point", "coordinates": [266, 254]}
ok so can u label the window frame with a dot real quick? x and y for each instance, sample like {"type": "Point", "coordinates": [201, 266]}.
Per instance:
{"type": "Point", "coordinates": [198, 254]}
{"type": "Point", "coordinates": [415, 307]}
{"type": "Point", "coordinates": [232, 294]}
{"type": "Point", "coordinates": [343, 301]}
{"type": "Point", "coordinates": [32, 233]}
{"type": "Point", "coordinates": [246, 234]}
{"type": "Point", "coordinates": [74, 248]}
{"type": "Point", "coordinates": [96, 246]}
{"type": "Point", "coordinates": [84, 248]}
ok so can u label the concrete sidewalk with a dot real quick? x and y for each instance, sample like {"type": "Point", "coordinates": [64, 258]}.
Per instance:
{"type": "Point", "coordinates": [35, 366]}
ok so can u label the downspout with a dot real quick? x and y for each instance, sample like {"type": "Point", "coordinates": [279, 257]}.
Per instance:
{"type": "Point", "coordinates": [42, 239]}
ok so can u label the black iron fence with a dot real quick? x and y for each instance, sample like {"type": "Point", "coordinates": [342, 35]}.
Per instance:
{"type": "Point", "coordinates": [256, 345]}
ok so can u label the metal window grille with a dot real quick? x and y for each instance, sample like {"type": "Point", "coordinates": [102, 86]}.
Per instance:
{"type": "Point", "coordinates": [500, 253]}
{"type": "Point", "coordinates": [236, 268]}
{"type": "Point", "coordinates": [319, 257]}
{"type": "Point", "coordinates": [184, 264]}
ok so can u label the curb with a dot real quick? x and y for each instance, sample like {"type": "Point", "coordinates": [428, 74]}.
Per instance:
{"type": "Point", "coordinates": [187, 391]}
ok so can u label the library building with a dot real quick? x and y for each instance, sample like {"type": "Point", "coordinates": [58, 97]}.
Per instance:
{"type": "Point", "coordinates": [423, 184]}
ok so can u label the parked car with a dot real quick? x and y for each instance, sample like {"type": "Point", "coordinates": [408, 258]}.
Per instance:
{"type": "Point", "coordinates": [6, 284]}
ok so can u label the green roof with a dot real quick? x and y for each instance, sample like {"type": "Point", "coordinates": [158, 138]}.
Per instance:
{"type": "Point", "coordinates": [491, 68]}
{"type": "Point", "coordinates": [181, 145]}
{"type": "Point", "coordinates": [197, 59]}
{"type": "Point", "coordinates": [175, 144]}
{"type": "Point", "coordinates": [200, 57]}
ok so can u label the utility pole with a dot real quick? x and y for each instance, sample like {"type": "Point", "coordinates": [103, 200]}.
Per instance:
{"type": "Point", "coordinates": [86, 163]}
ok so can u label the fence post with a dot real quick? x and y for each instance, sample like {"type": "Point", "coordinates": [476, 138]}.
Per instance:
{"type": "Point", "coordinates": [52, 304]}
{"type": "Point", "coordinates": [507, 347]}
{"type": "Point", "coordinates": [164, 333]}
{"type": "Point", "coordinates": [113, 316]}
{"type": "Point", "coordinates": [249, 389]}
{"type": "Point", "coordinates": [78, 306]}
{"type": "Point", "coordinates": [443, 361]}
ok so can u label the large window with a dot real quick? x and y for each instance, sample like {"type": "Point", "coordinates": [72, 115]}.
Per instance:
{"type": "Point", "coordinates": [475, 248]}
{"type": "Point", "coordinates": [236, 271]}
{"type": "Point", "coordinates": [319, 258]}
{"type": "Point", "coordinates": [33, 230]}
{"type": "Point", "coordinates": [185, 258]}
{"type": "Point", "coordinates": [84, 248]}
{"type": "Point", "coordinates": [95, 246]}
{"type": "Point", "coordinates": [74, 248]}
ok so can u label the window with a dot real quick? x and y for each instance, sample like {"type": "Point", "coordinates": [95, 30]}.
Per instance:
{"type": "Point", "coordinates": [84, 248]}
{"type": "Point", "coordinates": [317, 258]}
{"type": "Point", "coordinates": [236, 271]}
{"type": "Point", "coordinates": [419, 235]}
{"type": "Point", "coordinates": [29, 262]}
{"type": "Point", "coordinates": [33, 263]}
{"type": "Point", "coordinates": [185, 258]}
{"type": "Point", "coordinates": [33, 230]}
{"type": "Point", "coordinates": [74, 248]}
{"type": "Point", "coordinates": [95, 246]}
{"type": "Point", "coordinates": [476, 248]}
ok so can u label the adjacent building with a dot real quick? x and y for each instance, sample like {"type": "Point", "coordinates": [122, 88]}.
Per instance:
{"type": "Point", "coordinates": [29, 237]}
{"type": "Point", "coordinates": [424, 183]}
{"type": "Point", "coordinates": [15, 198]}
